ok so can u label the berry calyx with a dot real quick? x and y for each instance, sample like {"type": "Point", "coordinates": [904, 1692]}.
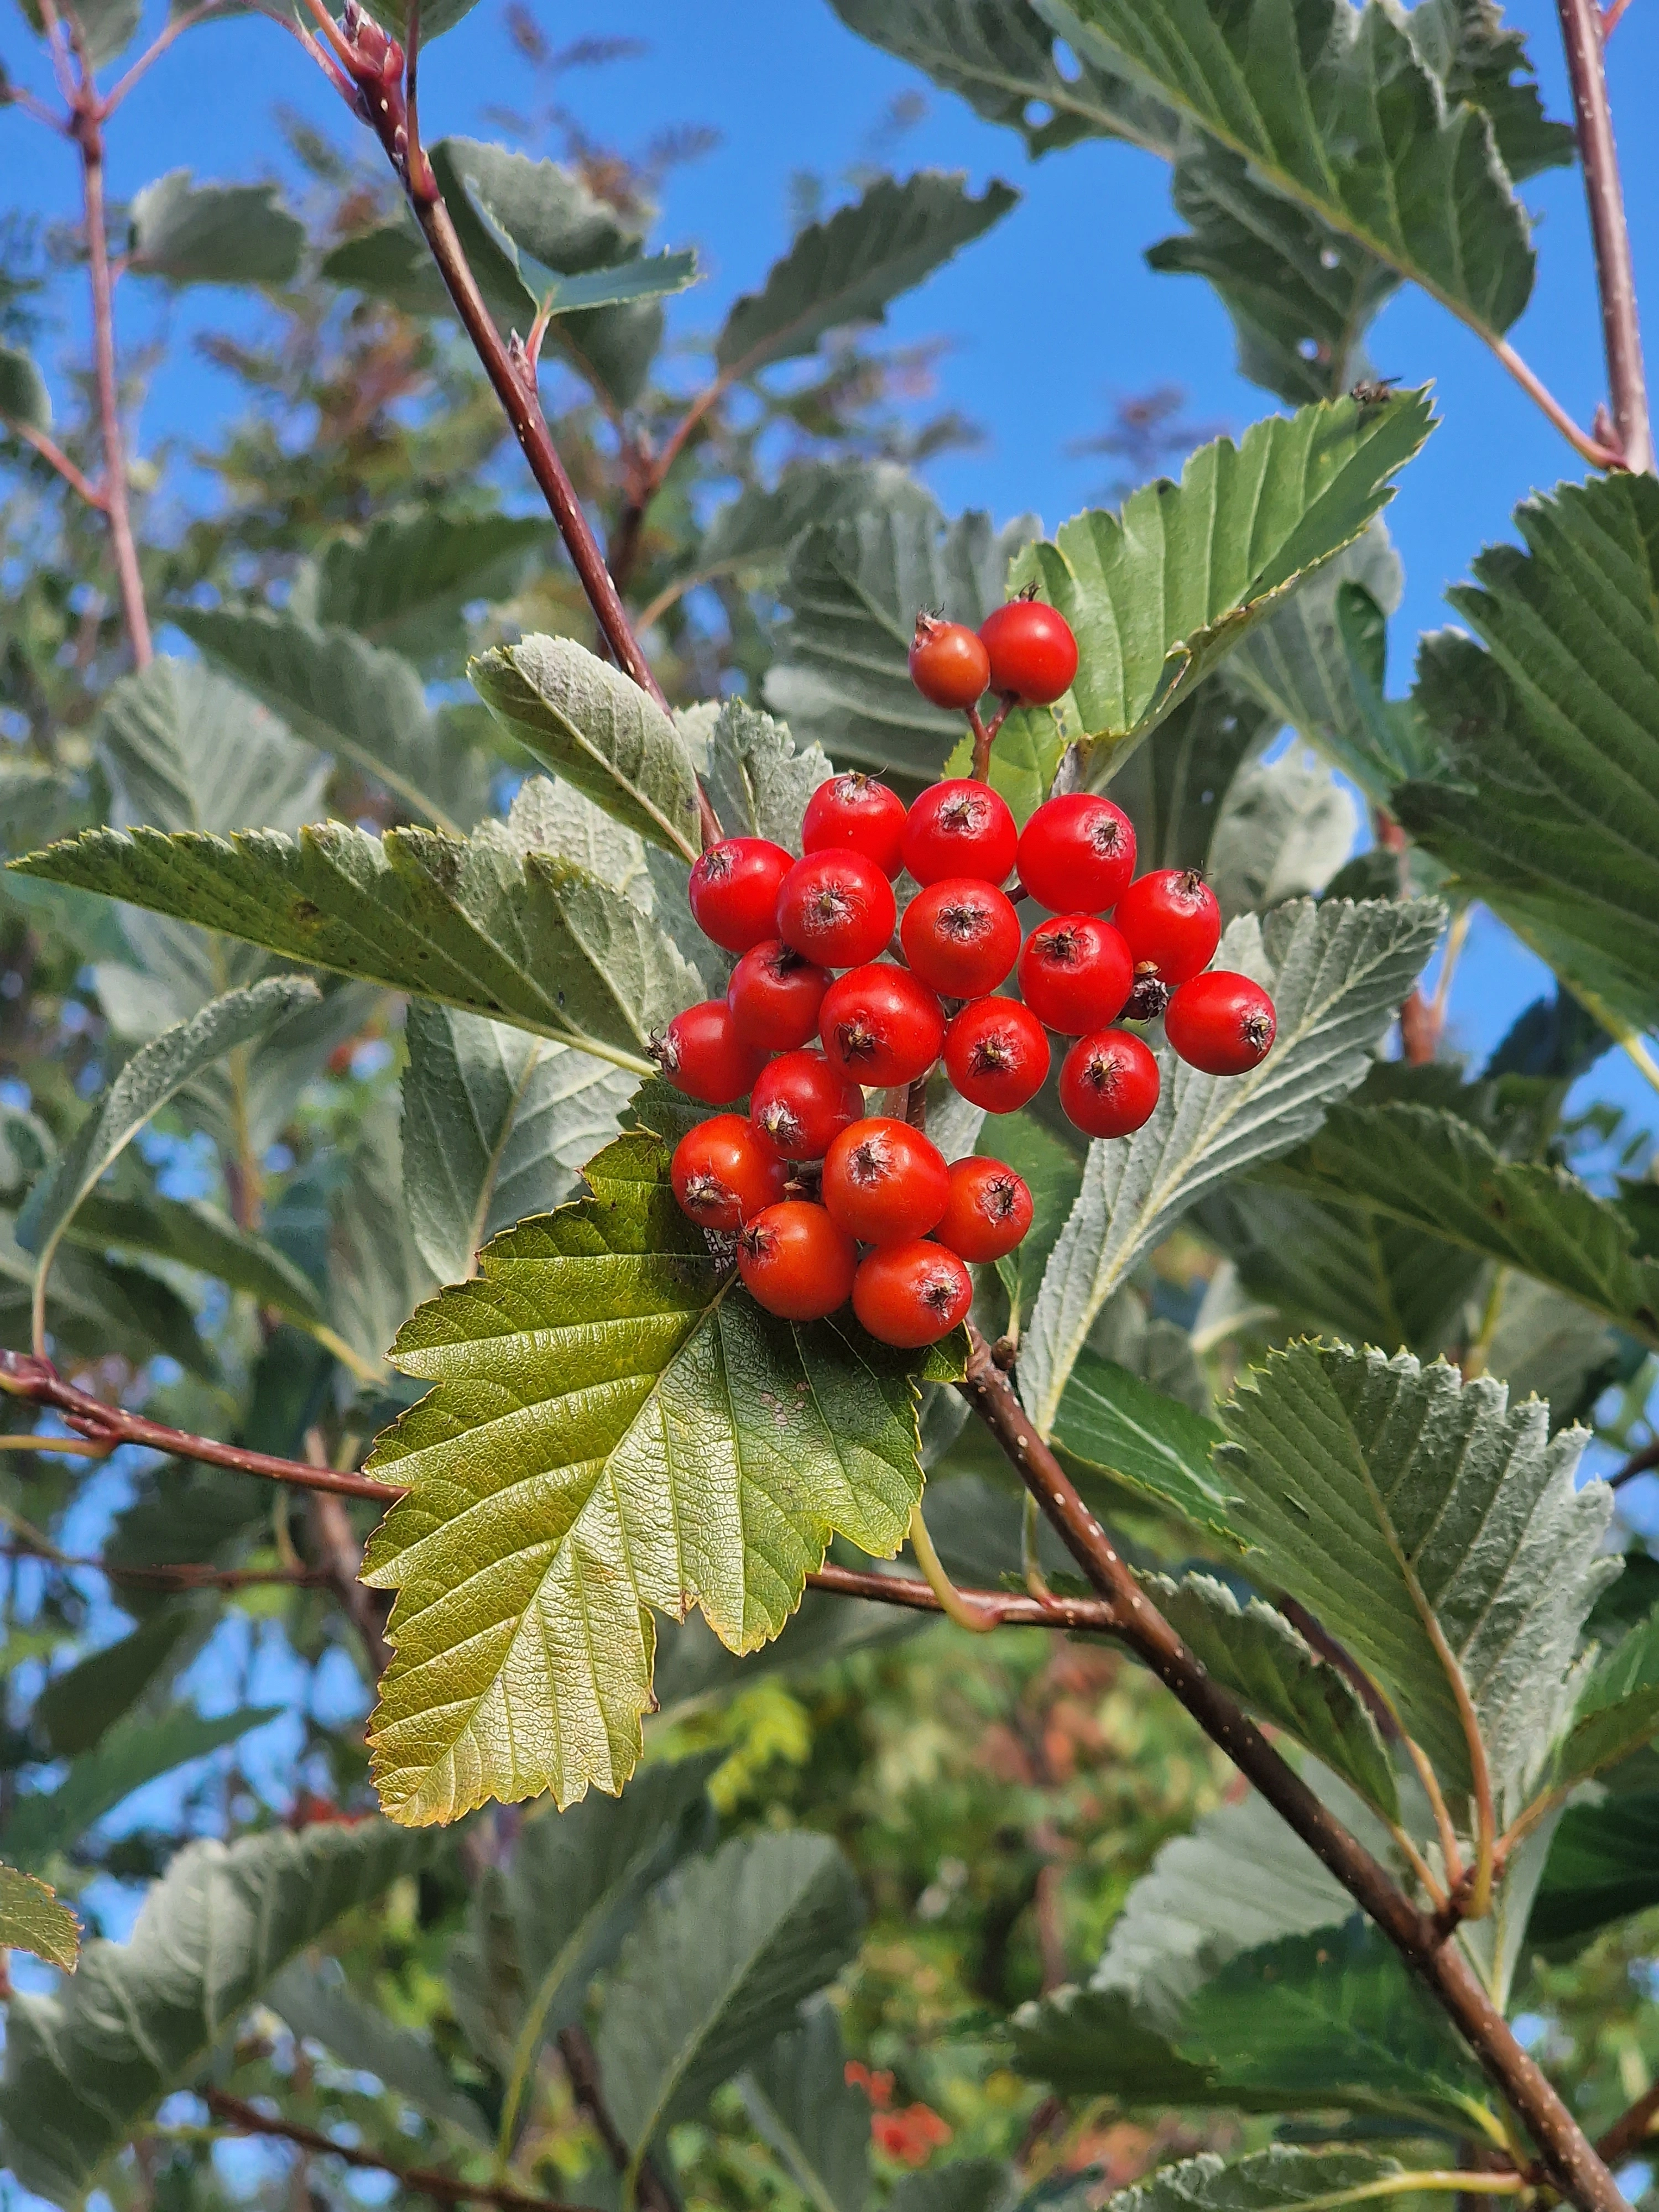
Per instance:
{"type": "Point", "coordinates": [987, 1211]}
{"type": "Point", "coordinates": [1146, 1001]}
{"type": "Point", "coordinates": [801, 1104]}
{"type": "Point", "coordinates": [1077, 850]}
{"type": "Point", "coordinates": [949, 664]}
{"type": "Point", "coordinates": [960, 828]}
{"type": "Point", "coordinates": [735, 891]}
{"type": "Point", "coordinates": [1075, 972]}
{"type": "Point", "coordinates": [722, 1174]}
{"type": "Point", "coordinates": [911, 1294]}
{"type": "Point", "coordinates": [884, 1183]}
{"type": "Point", "coordinates": [836, 908]}
{"type": "Point", "coordinates": [795, 1261]}
{"type": "Point", "coordinates": [853, 813]}
{"type": "Point", "coordinates": [881, 1025]}
{"type": "Point", "coordinates": [702, 1055]}
{"type": "Point", "coordinates": [775, 994]}
{"type": "Point", "coordinates": [1220, 1022]}
{"type": "Point", "coordinates": [1032, 651]}
{"type": "Point", "coordinates": [996, 1054]}
{"type": "Point", "coordinates": [961, 936]}
{"type": "Point", "coordinates": [1109, 1084]}
{"type": "Point", "coordinates": [1171, 923]}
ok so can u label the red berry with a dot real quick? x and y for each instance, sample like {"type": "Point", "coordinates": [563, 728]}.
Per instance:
{"type": "Point", "coordinates": [1075, 972]}
{"type": "Point", "coordinates": [801, 1104]}
{"type": "Point", "coordinates": [735, 891]}
{"type": "Point", "coordinates": [1033, 652]}
{"type": "Point", "coordinates": [702, 1055]}
{"type": "Point", "coordinates": [837, 909]}
{"type": "Point", "coordinates": [1221, 1023]}
{"type": "Point", "coordinates": [1109, 1084]}
{"type": "Point", "coordinates": [960, 828]}
{"type": "Point", "coordinates": [774, 996]}
{"type": "Point", "coordinates": [949, 664]}
{"type": "Point", "coordinates": [961, 936]}
{"type": "Point", "coordinates": [996, 1055]}
{"type": "Point", "coordinates": [1170, 923]}
{"type": "Point", "coordinates": [794, 1260]}
{"type": "Point", "coordinates": [884, 1183]}
{"type": "Point", "coordinates": [880, 1025]}
{"type": "Point", "coordinates": [911, 1294]}
{"type": "Point", "coordinates": [853, 813]}
{"type": "Point", "coordinates": [988, 1213]}
{"type": "Point", "coordinates": [723, 1173]}
{"type": "Point", "coordinates": [1077, 850]}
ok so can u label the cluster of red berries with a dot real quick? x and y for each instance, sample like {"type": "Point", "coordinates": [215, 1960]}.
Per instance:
{"type": "Point", "coordinates": [806, 1177]}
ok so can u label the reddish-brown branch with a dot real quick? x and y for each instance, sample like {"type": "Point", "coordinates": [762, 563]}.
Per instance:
{"type": "Point", "coordinates": [582, 2065]}
{"type": "Point", "coordinates": [1630, 2130]}
{"type": "Point", "coordinates": [1640, 1462]}
{"type": "Point", "coordinates": [186, 1574]}
{"type": "Point", "coordinates": [23, 1375]}
{"type": "Point", "coordinates": [1002, 1609]}
{"type": "Point", "coordinates": [426, 2181]}
{"type": "Point", "coordinates": [1583, 33]}
{"type": "Point", "coordinates": [1566, 2154]}
{"type": "Point", "coordinates": [51, 451]}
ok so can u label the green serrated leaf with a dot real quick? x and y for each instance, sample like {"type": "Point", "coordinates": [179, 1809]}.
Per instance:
{"type": "Point", "coordinates": [1336, 110]}
{"type": "Point", "coordinates": [526, 938]}
{"type": "Point", "coordinates": [185, 749]}
{"type": "Point", "coordinates": [716, 1967]}
{"type": "Point", "coordinates": [1286, 827]}
{"type": "Point", "coordinates": [406, 582]}
{"type": "Point", "coordinates": [86, 2067]}
{"type": "Point", "coordinates": [1115, 1423]}
{"type": "Point", "coordinates": [497, 1126]}
{"type": "Point", "coordinates": [759, 779]}
{"type": "Point", "coordinates": [125, 1760]}
{"type": "Point", "coordinates": [1174, 787]}
{"type": "Point", "coordinates": [1159, 593]}
{"type": "Point", "coordinates": [526, 1571]}
{"type": "Point", "coordinates": [1603, 1865]}
{"type": "Point", "coordinates": [750, 536]}
{"type": "Point", "coordinates": [213, 234]}
{"type": "Point", "coordinates": [1547, 808]}
{"type": "Point", "coordinates": [196, 1234]}
{"type": "Point", "coordinates": [326, 2010]}
{"type": "Point", "coordinates": [1090, 2043]}
{"type": "Point", "coordinates": [594, 727]}
{"type": "Point", "coordinates": [1616, 1710]}
{"type": "Point", "coordinates": [1053, 1173]}
{"type": "Point", "coordinates": [1428, 1525]}
{"type": "Point", "coordinates": [32, 1920]}
{"type": "Point", "coordinates": [1277, 2179]}
{"type": "Point", "coordinates": [1337, 972]}
{"type": "Point", "coordinates": [801, 2103]}
{"type": "Point", "coordinates": [24, 398]}
{"type": "Point", "coordinates": [846, 269]}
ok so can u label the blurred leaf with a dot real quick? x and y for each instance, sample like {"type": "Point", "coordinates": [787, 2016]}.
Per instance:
{"type": "Point", "coordinates": [328, 2012]}
{"type": "Point", "coordinates": [213, 234]}
{"type": "Point", "coordinates": [406, 582]}
{"type": "Point", "coordinates": [391, 262]}
{"type": "Point", "coordinates": [1053, 1173]}
{"type": "Point", "coordinates": [107, 26]}
{"type": "Point", "coordinates": [1174, 787]}
{"type": "Point", "coordinates": [24, 398]}
{"type": "Point", "coordinates": [751, 535]}
{"type": "Point", "coordinates": [758, 778]}
{"type": "Point", "coordinates": [196, 1234]}
{"type": "Point", "coordinates": [1477, 56]}
{"type": "Point", "coordinates": [87, 2067]}
{"type": "Point", "coordinates": [185, 749]}
{"type": "Point", "coordinates": [78, 1707]}
{"type": "Point", "coordinates": [847, 269]}
{"type": "Point", "coordinates": [95, 1308]}
{"type": "Point", "coordinates": [1337, 973]}
{"type": "Point", "coordinates": [714, 1969]}
{"type": "Point", "coordinates": [32, 1920]}
{"type": "Point", "coordinates": [1276, 2179]}
{"type": "Point", "coordinates": [526, 1570]}
{"type": "Point", "coordinates": [100, 1777]}
{"type": "Point", "coordinates": [802, 2105]}
{"type": "Point", "coordinates": [1617, 1708]}
{"type": "Point", "coordinates": [1545, 1345]}
{"type": "Point", "coordinates": [527, 938]}
{"type": "Point", "coordinates": [1286, 827]}
{"type": "Point", "coordinates": [962, 2184]}
{"type": "Point", "coordinates": [594, 727]}
{"type": "Point", "coordinates": [1159, 593]}
{"type": "Point", "coordinates": [377, 1274]}
{"type": "Point", "coordinates": [1603, 1865]}
{"type": "Point", "coordinates": [1090, 2043]}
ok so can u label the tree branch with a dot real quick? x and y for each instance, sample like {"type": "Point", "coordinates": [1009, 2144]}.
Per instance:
{"type": "Point", "coordinates": [190, 1574]}
{"type": "Point", "coordinates": [444, 2188]}
{"type": "Point", "coordinates": [175, 28]}
{"type": "Point", "coordinates": [51, 451]}
{"type": "Point", "coordinates": [1630, 2130]}
{"type": "Point", "coordinates": [1621, 331]}
{"type": "Point", "coordinates": [1639, 1462]}
{"type": "Point", "coordinates": [1003, 1608]}
{"type": "Point", "coordinates": [1565, 2153]}
{"type": "Point", "coordinates": [581, 2064]}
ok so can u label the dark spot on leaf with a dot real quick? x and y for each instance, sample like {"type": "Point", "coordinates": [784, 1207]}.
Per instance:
{"type": "Point", "coordinates": [305, 912]}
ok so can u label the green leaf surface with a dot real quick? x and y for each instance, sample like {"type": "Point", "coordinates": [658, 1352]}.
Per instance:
{"type": "Point", "coordinates": [324, 2010]}
{"type": "Point", "coordinates": [184, 748]}
{"type": "Point", "coordinates": [353, 699]}
{"type": "Point", "coordinates": [391, 262]}
{"type": "Point", "coordinates": [1603, 1865]}
{"type": "Point", "coordinates": [1335, 109]}
{"type": "Point", "coordinates": [77, 1708]}
{"type": "Point", "coordinates": [801, 2103]}
{"type": "Point", "coordinates": [1337, 972]}
{"type": "Point", "coordinates": [1090, 2043]}
{"type": "Point", "coordinates": [212, 234]}
{"type": "Point", "coordinates": [107, 26]}
{"type": "Point", "coordinates": [86, 2067]}
{"type": "Point", "coordinates": [156, 1073]}
{"type": "Point", "coordinates": [1429, 1168]}
{"type": "Point", "coordinates": [962, 2185]}
{"type": "Point", "coordinates": [759, 779]}
{"type": "Point", "coordinates": [32, 1920]}
{"type": "Point", "coordinates": [1428, 1525]}
{"type": "Point", "coordinates": [594, 727]}
{"type": "Point", "coordinates": [406, 581]}
{"type": "Point", "coordinates": [376, 1274]}
{"type": "Point", "coordinates": [24, 398]}
{"type": "Point", "coordinates": [847, 269]}
{"type": "Point", "coordinates": [1548, 809]}
{"type": "Point", "coordinates": [525, 938]}
{"type": "Point", "coordinates": [1286, 827]}
{"type": "Point", "coordinates": [1160, 592]}
{"type": "Point", "coordinates": [750, 536]}
{"type": "Point", "coordinates": [1113, 1421]}
{"type": "Point", "coordinates": [95, 1308]}
{"type": "Point", "coordinates": [1053, 1173]}
{"type": "Point", "coordinates": [715, 1968]}
{"type": "Point", "coordinates": [1253, 1652]}
{"type": "Point", "coordinates": [1174, 787]}
{"type": "Point", "coordinates": [600, 1375]}
{"type": "Point", "coordinates": [196, 1234]}
{"type": "Point", "coordinates": [496, 1126]}
{"type": "Point", "coordinates": [125, 1760]}
{"type": "Point", "coordinates": [1277, 2179]}
{"type": "Point", "coordinates": [1616, 1710]}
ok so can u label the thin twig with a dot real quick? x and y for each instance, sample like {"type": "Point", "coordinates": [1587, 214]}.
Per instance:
{"type": "Point", "coordinates": [652, 2192]}
{"type": "Point", "coordinates": [955, 1604]}
{"type": "Point", "coordinates": [1598, 455]}
{"type": "Point", "coordinates": [1566, 2155]}
{"type": "Point", "coordinates": [57, 46]}
{"type": "Point", "coordinates": [444, 2188]}
{"type": "Point", "coordinates": [1639, 1462]}
{"type": "Point", "coordinates": [1611, 17]}
{"type": "Point", "coordinates": [1085, 1616]}
{"type": "Point", "coordinates": [175, 29]}
{"type": "Point", "coordinates": [1631, 2129]}
{"type": "Point", "coordinates": [50, 450]}
{"type": "Point", "coordinates": [1582, 36]}
{"type": "Point", "coordinates": [651, 475]}
{"type": "Point", "coordinates": [980, 767]}
{"type": "Point", "coordinates": [186, 1574]}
